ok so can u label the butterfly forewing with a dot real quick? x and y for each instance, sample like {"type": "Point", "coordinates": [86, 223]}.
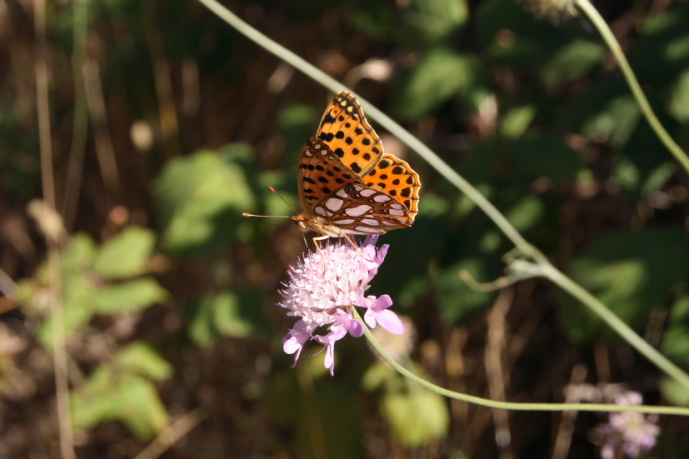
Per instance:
{"type": "Point", "coordinates": [320, 173]}
{"type": "Point", "coordinates": [345, 130]}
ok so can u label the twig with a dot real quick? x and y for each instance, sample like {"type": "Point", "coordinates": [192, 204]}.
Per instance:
{"type": "Point", "coordinates": [566, 429]}
{"type": "Point", "coordinates": [64, 416]}
{"type": "Point", "coordinates": [99, 121]}
{"type": "Point", "coordinates": [81, 116]}
{"type": "Point", "coordinates": [173, 434]}
{"type": "Point", "coordinates": [495, 369]}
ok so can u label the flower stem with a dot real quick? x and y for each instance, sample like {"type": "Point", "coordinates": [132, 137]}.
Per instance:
{"type": "Point", "coordinates": [633, 83]}
{"type": "Point", "coordinates": [594, 407]}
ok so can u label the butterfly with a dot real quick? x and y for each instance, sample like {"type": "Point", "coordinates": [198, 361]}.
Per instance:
{"type": "Point", "coordinates": [347, 184]}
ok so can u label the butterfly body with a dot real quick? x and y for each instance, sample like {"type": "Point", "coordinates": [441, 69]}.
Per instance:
{"type": "Point", "coordinates": [347, 184]}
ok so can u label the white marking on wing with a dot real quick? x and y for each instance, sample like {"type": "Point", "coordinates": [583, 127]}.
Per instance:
{"type": "Point", "coordinates": [358, 210]}
{"type": "Point", "coordinates": [368, 192]}
{"type": "Point", "coordinates": [370, 222]}
{"type": "Point", "coordinates": [342, 193]}
{"type": "Point", "coordinates": [319, 210]}
{"type": "Point", "coordinates": [348, 221]}
{"type": "Point", "coordinates": [365, 229]}
{"type": "Point", "coordinates": [382, 198]}
{"type": "Point", "coordinates": [334, 204]}
{"type": "Point", "coordinates": [399, 213]}
{"type": "Point", "coordinates": [396, 206]}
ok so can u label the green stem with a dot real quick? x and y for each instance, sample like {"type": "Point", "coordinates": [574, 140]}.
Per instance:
{"type": "Point", "coordinates": [597, 407]}
{"type": "Point", "coordinates": [633, 83]}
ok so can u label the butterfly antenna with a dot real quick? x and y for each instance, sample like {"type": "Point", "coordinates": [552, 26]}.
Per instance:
{"type": "Point", "coordinates": [283, 199]}
{"type": "Point", "coordinates": [247, 214]}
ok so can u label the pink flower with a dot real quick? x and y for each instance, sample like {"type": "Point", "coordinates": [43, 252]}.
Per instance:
{"type": "Point", "coordinates": [627, 432]}
{"type": "Point", "coordinates": [322, 288]}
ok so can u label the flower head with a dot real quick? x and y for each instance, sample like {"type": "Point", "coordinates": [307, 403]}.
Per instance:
{"type": "Point", "coordinates": [628, 432]}
{"type": "Point", "coordinates": [323, 287]}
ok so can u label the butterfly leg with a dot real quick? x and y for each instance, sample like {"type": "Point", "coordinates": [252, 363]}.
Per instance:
{"type": "Point", "coordinates": [318, 247]}
{"type": "Point", "coordinates": [356, 247]}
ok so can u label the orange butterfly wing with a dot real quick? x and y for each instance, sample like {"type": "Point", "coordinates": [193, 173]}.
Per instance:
{"type": "Point", "coordinates": [345, 130]}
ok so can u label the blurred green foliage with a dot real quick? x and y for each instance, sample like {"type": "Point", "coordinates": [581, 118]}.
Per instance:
{"type": "Point", "coordinates": [417, 416]}
{"type": "Point", "coordinates": [200, 199]}
{"type": "Point", "coordinates": [124, 390]}
{"type": "Point", "coordinates": [96, 281]}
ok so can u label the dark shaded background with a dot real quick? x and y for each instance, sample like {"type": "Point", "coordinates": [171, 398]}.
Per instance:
{"type": "Point", "coordinates": [173, 124]}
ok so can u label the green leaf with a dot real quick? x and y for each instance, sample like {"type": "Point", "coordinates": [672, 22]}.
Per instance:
{"type": "Point", "coordinates": [572, 62]}
{"type": "Point", "coordinates": [417, 416]}
{"type": "Point", "coordinates": [658, 177]}
{"type": "Point", "coordinates": [428, 22]}
{"type": "Point", "coordinates": [78, 307]}
{"type": "Point", "coordinates": [129, 296]}
{"type": "Point", "coordinates": [93, 402]}
{"type": "Point", "coordinates": [201, 199]}
{"type": "Point", "coordinates": [526, 213]}
{"type": "Point", "coordinates": [679, 99]}
{"type": "Point", "coordinates": [439, 76]}
{"type": "Point", "coordinates": [223, 315]}
{"type": "Point", "coordinates": [516, 121]}
{"type": "Point", "coordinates": [631, 272]}
{"type": "Point", "coordinates": [140, 408]}
{"type": "Point", "coordinates": [78, 255]}
{"type": "Point", "coordinates": [675, 392]}
{"type": "Point", "coordinates": [139, 358]}
{"type": "Point", "coordinates": [617, 121]}
{"type": "Point", "coordinates": [121, 391]}
{"type": "Point", "coordinates": [126, 254]}
{"type": "Point", "coordinates": [675, 342]}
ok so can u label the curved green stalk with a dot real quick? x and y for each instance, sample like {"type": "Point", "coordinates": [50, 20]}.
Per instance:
{"type": "Point", "coordinates": [598, 407]}
{"type": "Point", "coordinates": [453, 177]}
{"type": "Point", "coordinates": [628, 73]}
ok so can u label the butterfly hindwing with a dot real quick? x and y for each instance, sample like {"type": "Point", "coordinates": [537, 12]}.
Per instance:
{"type": "Point", "coordinates": [345, 129]}
{"type": "Point", "coordinates": [396, 178]}
{"type": "Point", "coordinates": [358, 209]}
